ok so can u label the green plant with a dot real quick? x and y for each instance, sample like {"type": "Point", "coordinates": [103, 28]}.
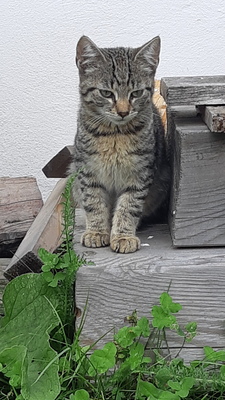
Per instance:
{"type": "Point", "coordinates": [42, 358]}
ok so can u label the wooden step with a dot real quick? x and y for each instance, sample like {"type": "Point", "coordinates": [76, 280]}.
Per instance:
{"type": "Point", "coordinates": [196, 90]}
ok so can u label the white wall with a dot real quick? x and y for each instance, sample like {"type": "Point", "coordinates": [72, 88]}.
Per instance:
{"type": "Point", "coordinates": [39, 83]}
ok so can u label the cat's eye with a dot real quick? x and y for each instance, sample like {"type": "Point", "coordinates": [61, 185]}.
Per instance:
{"type": "Point", "coordinates": [106, 93]}
{"type": "Point", "coordinates": [137, 93]}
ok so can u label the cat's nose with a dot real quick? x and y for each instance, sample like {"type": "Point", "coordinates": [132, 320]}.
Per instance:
{"type": "Point", "coordinates": [123, 113]}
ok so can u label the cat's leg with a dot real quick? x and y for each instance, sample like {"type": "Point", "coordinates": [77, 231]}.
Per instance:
{"type": "Point", "coordinates": [96, 206]}
{"type": "Point", "coordinates": [125, 220]}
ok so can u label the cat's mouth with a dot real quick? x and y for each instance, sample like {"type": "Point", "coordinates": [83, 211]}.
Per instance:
{"type": "Point", "coordinates": [121, 119]}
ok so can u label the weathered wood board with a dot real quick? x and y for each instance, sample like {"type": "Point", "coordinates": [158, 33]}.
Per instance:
{"type": "Point", "coordinates": [20, 202]}
{"type": "Point", "coordinates": [197, 215]}
{"type": "Point", "coordinates": [58, 166]}
{"type": "Point", "coordinates": [45, 232]}
{"type": "Point", "coordinates": [214, 117]}
{"type": "Point", "coordinates": [205, 90]}
{"type": "Point", "coordinates": [119, 283]}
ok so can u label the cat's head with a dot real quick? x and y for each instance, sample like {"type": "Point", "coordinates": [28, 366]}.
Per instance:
{"type": "Point", "coordinates": [116, 84]}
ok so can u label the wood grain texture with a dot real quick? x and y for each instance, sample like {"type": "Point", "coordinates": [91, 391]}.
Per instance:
{"type": "Point", "coordinates": [197, 216]}
{"type": "Point", "coordinates": [45, 232]}
{"type": "Point", "coordinates": [119, 283]}
{"type": "Point", "coordinates": [20, 202]}
{"type": "Point", "coordinates": [214, 117]}
{"type": "Point", "coordinates": [205, 90]}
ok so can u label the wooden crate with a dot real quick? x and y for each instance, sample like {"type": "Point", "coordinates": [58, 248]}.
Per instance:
{"type": "Point", "coordinates": [197, 208]}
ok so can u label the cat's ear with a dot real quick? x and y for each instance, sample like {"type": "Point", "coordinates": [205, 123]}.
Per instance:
{"type": "Point", "coordinates": [88, 55]}
{"type": "Point", "coordinates": [148, 54]}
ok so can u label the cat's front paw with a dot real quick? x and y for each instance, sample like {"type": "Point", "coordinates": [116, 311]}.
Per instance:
{"type": "Point", "coordinates": [125, 244]}
{"type": "Point", "coordinates": [95, 239]}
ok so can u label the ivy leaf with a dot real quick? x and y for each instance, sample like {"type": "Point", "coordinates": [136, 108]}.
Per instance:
{"type": "Point", "coordinates": [29, 317]}
{"type": "Point", "coordinates": [102, 360]}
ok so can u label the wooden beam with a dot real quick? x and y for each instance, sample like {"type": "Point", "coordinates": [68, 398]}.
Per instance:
{"type": "Point", "coordinates": [197, 90]}
{"type": "Point", "coordinates": [20, 202]}
{"type": "Point", "coordinates": [197, 206]}
{"type": "Point", "coordinates": [58, 166]}
{"type": "Point", "coordinates": [214, 117]}
{"type": "Point", "coordinates": [44, 232]}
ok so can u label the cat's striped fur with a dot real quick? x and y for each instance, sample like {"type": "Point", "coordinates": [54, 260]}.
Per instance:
{"type": "Point", "coordinates": [120, 146]}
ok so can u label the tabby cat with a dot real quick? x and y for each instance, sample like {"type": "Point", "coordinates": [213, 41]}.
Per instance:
{"type": "Point", "coordinates": [120, 149]}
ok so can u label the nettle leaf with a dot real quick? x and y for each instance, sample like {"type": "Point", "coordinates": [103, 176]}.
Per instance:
{"type": "Point", "coordinates": [29, 317]}
{"type": "Point", "coordinates": [102, 360]}
{"type": "Point", "coordinates": [212, 355]}
{"type": "Point", "coordinates": [168, 305]}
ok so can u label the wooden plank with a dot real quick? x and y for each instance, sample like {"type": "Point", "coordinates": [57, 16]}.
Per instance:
{"type": "Point", "coordinates": [45, 232]}
{"type": "Point", "coordinates": [214, 117]}
{"type": "Point", "coordinates": [205, 90]}
{"type": "Point", "coordinates": [117, 284]}
{"type": "Point", "coordinates": [197, 215]}
{"type": "Point", "coordinates": [58, 166]}
{"type": "Point", "coordinates": [20, 202]}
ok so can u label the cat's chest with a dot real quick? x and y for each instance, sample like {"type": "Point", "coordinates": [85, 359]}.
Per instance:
{"type": "Point", "coordinates": [116, 151]}
{"type": "Point", "coordinates": [115, 160]}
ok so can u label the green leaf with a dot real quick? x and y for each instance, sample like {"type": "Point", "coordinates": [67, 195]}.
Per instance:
{"type": "Point", "coordinates": [125, 336]}
{"type": "Point", "coordinates": [162, 319]}
{"type": "Point", "coordinates": [80, 395]}
{"type": "Point", "coordinates": [59, 276]}
{"type": "Point", "coordinates": [29, 317]}
{"type": "Point", "coordinates": [182, 388]}
{"type": "Point", "coordinates": [168, 305]}
{"type": "Point", "coordinates": [13, 359]}
{"type": "Point", "coordinates": [147, 389]}
{"type": "Point", "coordinates": [102, 360]}
{"type": "Point", "coordinates": [163, 375]}
{"type": "Point", "coordinates": [165, 395]}
{"type": "Point", "coordinates": [136, 355]}
{"type": "Point", "coordinates": [212, 355]}
{"type": "Point", "coordinates": [142, 328]}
